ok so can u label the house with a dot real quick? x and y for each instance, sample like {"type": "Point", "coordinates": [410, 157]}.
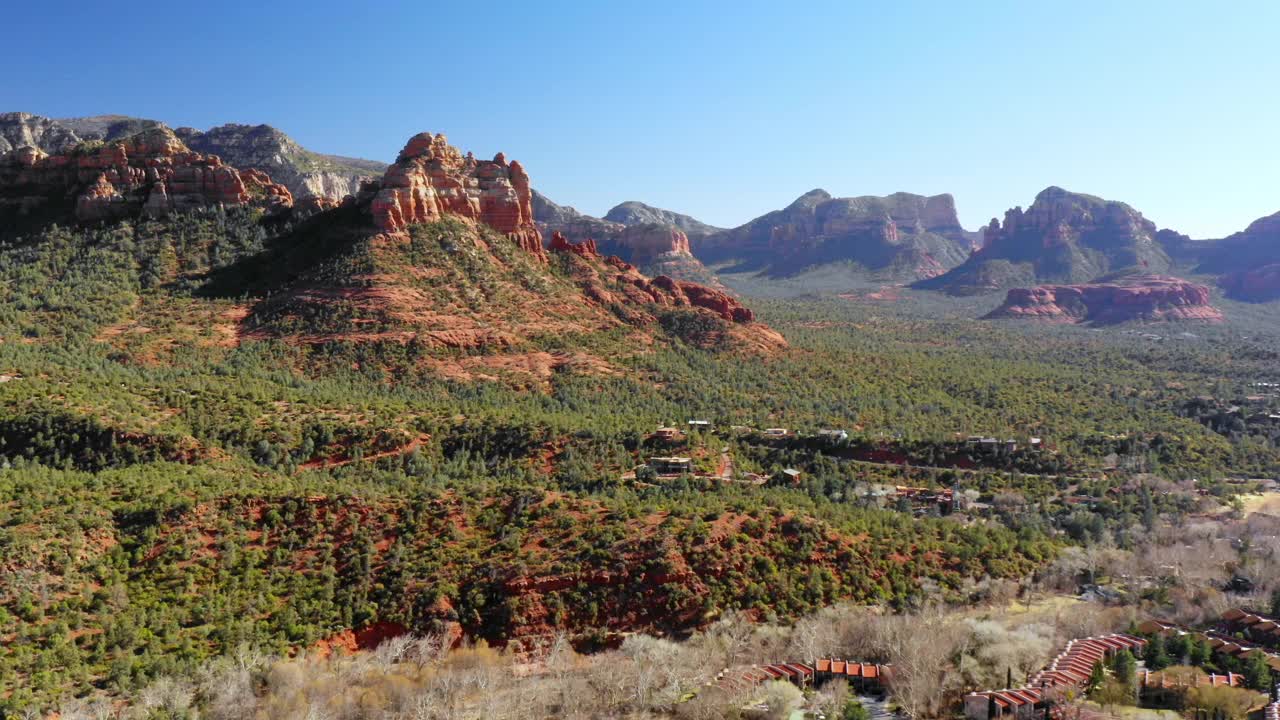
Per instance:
{"type": "Point", "coordinates": [699, 424]}
{"type": "Point", "coordinates": [790, 475]}
{"type": "Point", "coordinates": [671, 465]}
{"type": "Point", "coordinates": [776, 432]}
{"type": "Point", "coordinates": [1168, 689]}
{"type": "Point", "coordinates": [834, 436]}
{"type": "Point", "coordinates": [666, 433]}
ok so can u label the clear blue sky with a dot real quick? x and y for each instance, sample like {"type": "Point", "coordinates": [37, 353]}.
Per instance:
{"type": "Point", "coordinates": [721, 110]}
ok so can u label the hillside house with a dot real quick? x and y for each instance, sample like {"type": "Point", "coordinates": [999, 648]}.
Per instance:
{"type": "Point", "coordinates": [671, 465]}
{"type": "Point", "coordinates": [776, 432]}
{"type": "Point", "coordinates": [666, 434]}
{"type": "Point", "coordinates": [699, 424]}
{"type": "Point", "coordinates": [833, 436]}
{"type": "Point", "coordinates": [790, 475]}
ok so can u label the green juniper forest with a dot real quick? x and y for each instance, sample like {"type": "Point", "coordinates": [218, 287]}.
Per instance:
{"type": "Point", "coordinates": [292, 435]}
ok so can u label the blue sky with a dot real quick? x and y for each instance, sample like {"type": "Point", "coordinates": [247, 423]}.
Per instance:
{"type": "Point", "coordinates": [721, 110]}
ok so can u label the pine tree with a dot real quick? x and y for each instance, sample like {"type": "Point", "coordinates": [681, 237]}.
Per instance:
{"type": "Point", "coordinates": [1124, 666]}
{"type": "Point", "coordinates": [1156, 656]}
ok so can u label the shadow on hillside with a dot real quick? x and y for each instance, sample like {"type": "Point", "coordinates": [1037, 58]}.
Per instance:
{"type": "Point", "coordinates": [290, 256]}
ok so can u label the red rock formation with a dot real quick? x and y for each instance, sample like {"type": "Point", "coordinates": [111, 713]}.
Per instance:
{"type": "Point", "coordinates": [431, 178]}
{"type": "Point", "coordinates": [644, 243]}
{"type": "Point", "coordinates": [1145, 298]}
{"type": "Point", "coordinates": [586, 248]}
{"type": "Point", "coordinates": [151, 173]}
{"type": "Point", "coordinates": [1258, 285]}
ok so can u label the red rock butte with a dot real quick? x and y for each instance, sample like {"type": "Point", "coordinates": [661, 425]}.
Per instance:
{"type": "Point", "coordinates": [1143, 298]}
{"type": "Point", "coordinates": [431, 178]}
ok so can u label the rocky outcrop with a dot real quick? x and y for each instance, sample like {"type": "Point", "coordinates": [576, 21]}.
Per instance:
{"type": "Point", "coordinates": [1149, 298]}
{"type": "Point", "coordinates": [1258, 285]}
{"type": "Point", "coordinates": [19, 130]}
{"type": "Point", "coordinates": [305, 173]}
{"type": "Point", "coordinates": [900, 236]}
{"type": "Point", "coordinates": [151, 173]}
{"type": "Point", "coordinates": [432, 178]}
{"type": "Point", "coordinates": [1063, 237]}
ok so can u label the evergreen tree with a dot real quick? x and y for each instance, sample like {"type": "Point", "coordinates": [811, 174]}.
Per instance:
{"type": "Point", "coordinates": [1257, 673]}
{"type": "Point", "coordinates": [1124, 666]}
{"type": "Point", "coordinates": [1157, 657]}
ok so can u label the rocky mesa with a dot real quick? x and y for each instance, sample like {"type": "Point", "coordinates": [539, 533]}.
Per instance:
{"type": "Point", "coordinates": [896, 237]}
{"type": "Point", "coordinates": [1149, 298]}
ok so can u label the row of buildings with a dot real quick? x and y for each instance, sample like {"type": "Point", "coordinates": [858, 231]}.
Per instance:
{"type": "Point", "coordinates": [1070, 670]}
{"type": "Point", "coordinates": [862, 677]}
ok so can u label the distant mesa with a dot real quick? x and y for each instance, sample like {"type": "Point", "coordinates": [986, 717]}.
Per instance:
{"type": "Point", "coordinates": [897, 237]}
{"type": "Point", "coordinates": [1142, 298]}
{"type": "Point", "coordinates": [1063, 237]}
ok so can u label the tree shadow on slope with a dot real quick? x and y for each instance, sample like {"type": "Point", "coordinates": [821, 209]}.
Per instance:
{"type": "Point", "coordinates": [296, 253]}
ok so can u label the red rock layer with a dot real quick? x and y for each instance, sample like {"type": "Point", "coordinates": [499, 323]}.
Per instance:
{"type": "Point", "coordinates": [1145, 298]}
{"type": "Point", "coordinates": [152, 173]}
{"type": "Point", "coordinates": [431, 178]}
{"type": "Point", "coordinates": [1258, 285]}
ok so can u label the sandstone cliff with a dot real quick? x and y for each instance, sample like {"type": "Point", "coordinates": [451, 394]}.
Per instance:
{"type": "Point", "coordinates": [1148, 298]}
{"type": "Point", "coordinates": [248, 147]}
{"type": "Point", "coordinates": [151, 173]}
{"type": "Point", "coordinates": [901, 236]}
{"type": "Point", "coordinates": [1062, 237]}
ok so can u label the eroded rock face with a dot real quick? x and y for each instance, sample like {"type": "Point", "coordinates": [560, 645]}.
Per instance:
{"type": "Point", "coordinates": [431, 178]}
{"type": "Point", "coordinates": [1150, 298]}
{"type": "Point", "coordinates": [151, 173]}
{"type": "Point", "coordinates": [262, 147]}
{"type": "Point", "coordinates": [1257, 285]}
